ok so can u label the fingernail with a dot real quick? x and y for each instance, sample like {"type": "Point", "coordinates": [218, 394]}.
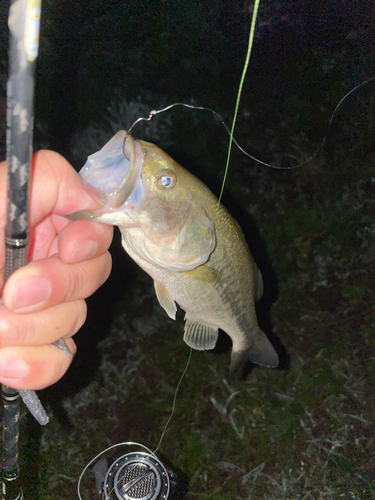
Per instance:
{"type": "Point", "coordinates": [83, 250]}
{"type": "Point", "coordinates": [30, 292]}
{"type": "Point", "coordinates": [13, 368]}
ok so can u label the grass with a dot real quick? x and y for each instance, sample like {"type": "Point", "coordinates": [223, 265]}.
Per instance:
{"type": "Point", "coordinates": [304, 431]}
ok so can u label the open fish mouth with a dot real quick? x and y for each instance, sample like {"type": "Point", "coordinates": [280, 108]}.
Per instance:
{"type": "Point", "coordinates": [115, 170]}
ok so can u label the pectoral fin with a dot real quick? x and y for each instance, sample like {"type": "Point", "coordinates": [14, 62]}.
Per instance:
{"type": "Point", "coordinates": [205, 274]}
{"type": "Point", "coordinates": [165, 299]}
{"type": "Point", "coordinates": [200, 336]}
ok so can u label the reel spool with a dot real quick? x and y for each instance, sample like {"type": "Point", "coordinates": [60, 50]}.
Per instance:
{"type": "Point", "coordinates": [135, 475]}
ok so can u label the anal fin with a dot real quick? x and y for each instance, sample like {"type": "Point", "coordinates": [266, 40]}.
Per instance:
{"type": "Point", "coordinates": [165, 299]}
{"type": "Point", "coordinates": [200, 336]}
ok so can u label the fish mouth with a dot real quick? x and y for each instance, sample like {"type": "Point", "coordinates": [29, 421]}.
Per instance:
{"type": "Point", "coordinates": [114, 170]}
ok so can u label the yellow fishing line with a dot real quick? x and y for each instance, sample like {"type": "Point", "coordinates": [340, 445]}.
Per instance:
{"type": "Point", "coordinates": [174, 401]}
{"type": "Point", "coordinates": [250, 44]}
{"type": "Point", "coordinates": [231, 138]}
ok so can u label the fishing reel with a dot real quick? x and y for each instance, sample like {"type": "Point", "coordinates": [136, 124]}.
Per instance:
{"type": "Point", "coordinates": [136, 475]}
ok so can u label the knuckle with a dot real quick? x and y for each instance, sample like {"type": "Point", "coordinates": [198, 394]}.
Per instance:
{"type": "Point", "coordinates": [76, 283]}
{"type": "Point", "coordinates": [60, 366]}
{"type": "Point", "coordinates": [107, 266]}
{"type": "Point", "coordinates": [86, 277]}
{"type": "Point", "coordinates": [80, 315]}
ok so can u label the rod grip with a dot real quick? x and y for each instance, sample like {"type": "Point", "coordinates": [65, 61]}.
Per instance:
{"type": "Point", "coordinates": [16, 251]}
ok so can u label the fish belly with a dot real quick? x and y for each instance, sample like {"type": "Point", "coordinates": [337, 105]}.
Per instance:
{"type": "Point", "coordinates": [222, 304]}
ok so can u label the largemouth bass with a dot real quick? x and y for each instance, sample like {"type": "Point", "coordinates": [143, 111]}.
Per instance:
{"type": "Point", "coordinates": [174, 229]}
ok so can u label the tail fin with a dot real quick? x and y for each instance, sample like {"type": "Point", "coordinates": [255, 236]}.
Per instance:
{"type": "Point", "coordinates": [260, 352]}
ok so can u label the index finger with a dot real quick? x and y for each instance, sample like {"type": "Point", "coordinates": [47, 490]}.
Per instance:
{"type": "Point", "coordinates": [57, 188]}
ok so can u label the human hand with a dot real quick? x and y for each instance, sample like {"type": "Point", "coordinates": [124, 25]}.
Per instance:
{"type": "Point", "coordinates": [44, 300]}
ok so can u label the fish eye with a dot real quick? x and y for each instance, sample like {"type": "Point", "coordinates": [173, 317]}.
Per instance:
{"type": "Point", "coordinates": [167, 179]}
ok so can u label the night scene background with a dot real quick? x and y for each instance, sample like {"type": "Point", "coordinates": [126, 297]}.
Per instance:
{"type": "Point", "coordinates": [306, 429]}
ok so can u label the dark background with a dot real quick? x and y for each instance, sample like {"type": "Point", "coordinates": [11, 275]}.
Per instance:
{"type": "Point", "coordinates": [93, 54]}
{"type": "Point", "coordinates": [311, 230]}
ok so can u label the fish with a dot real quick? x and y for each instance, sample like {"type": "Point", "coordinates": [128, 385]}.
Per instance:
{"type": "Point", "coordinates": [175, 229]}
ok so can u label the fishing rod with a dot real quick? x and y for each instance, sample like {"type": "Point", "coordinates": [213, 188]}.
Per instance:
{"type": "Point", "coordinates": [23, 22]}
